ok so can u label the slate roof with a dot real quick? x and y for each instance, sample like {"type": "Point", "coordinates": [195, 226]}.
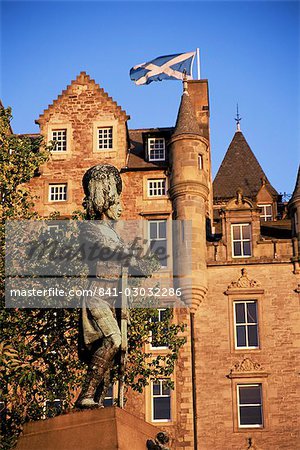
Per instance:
{"type": "Point", "coordinates": [280, 229]}
{"type": "Point", "coordinates": [239, 169]}
{"type": "Point", "coordinates": [29, 135]}
{"type": "Point", "coordinates": [186, 118]}
{"type": "Point", "coordinates": [296, 193]}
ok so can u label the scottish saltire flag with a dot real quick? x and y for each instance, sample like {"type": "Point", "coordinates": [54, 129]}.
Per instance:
{"type": "Point", "coordinates": [169, 67]}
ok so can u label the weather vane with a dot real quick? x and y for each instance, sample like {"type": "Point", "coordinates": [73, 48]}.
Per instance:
{"type": "Point", "coordinates": [238, 118]}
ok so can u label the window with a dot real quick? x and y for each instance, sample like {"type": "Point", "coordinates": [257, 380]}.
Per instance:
{"type": "Point", "coordinates": [158, 240]}
{"type": "Point", "coordinates": [60, 138]}
{"type": "Point", "coordinates": [246, 324]}
{"type": "Point", "coordinates": [109, 397]}
{"type": "Point", "coordinates": [161, 401]}
{"type": "Point", "coordinates": [155, 342]}
{"type": "Point", "coordinates": [58, 192]}
{"type": "Point", "coordinates": [266, 212]}
{"type": "Point", "coordinates": [250, 412]}
{"type": "Point", "coordinates": [156, 149]}
{"type": "Point", "coordinates": [241, 240]}
{"type": "Point", "coordinates": [200, 162]}
{"type": "Point", "coordinates": [105, 138]}
{"type": "Point", "coordinates": [157, 188]}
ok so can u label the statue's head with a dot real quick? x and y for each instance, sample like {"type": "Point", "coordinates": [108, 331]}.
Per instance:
{"type": "Point", "coordinates": [102, 186]}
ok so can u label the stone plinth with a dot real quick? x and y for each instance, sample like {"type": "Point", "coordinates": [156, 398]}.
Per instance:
{"type": "Point", "coordinates": [98, 429]}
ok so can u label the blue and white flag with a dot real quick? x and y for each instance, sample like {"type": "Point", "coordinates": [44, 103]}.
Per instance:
{"type": "Point", "coordinates": [169, 67]}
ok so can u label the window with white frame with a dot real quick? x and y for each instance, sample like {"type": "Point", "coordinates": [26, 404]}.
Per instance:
{"type": "Point", "coordinates": [241, 240]}
{"type": "Point", "coordinates": [58, 192]}
{"type": "Point", "coordinates": [60, 139]}
{"type": "Point", "coordinates": [156, 149]}
{"type": "Point", "coordinates": [157, 234]}
{"type": "Point", "coordinates": [246, 324]}
{"type": "Point", "coordinates": [105, 138]}
{"type": "Point", "coordinates": [161, 401]}
{"type": "Point", "coordinates": [155, 341]}
{"type": "Point", "coordinates": [157, 187]}
{"type": "Point", "coordinates": [250, 408]}
{"type": "Point", "coordinates": [266, 212]}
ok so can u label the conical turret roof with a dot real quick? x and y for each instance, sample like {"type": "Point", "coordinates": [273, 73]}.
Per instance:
{"type": "Point", "coordinates": [240, 170]}
{"type": "Point", "coordinates": [296, 193]}
{"type": "Point", "coordinates": [186, 122]}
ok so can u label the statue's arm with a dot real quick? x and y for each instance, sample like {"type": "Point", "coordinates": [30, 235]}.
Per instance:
{"type": "Point", "coordinates": [97, 235]}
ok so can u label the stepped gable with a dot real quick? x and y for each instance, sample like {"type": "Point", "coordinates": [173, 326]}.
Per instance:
{"type": "Point", "coordinates": [81, 84]}
{"type": "Point", "coordinates": [186, 119]}
{"type": "Point", "coordinates": [240, 170]}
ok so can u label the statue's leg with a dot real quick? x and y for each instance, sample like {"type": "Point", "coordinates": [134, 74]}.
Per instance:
{"type": "Point", "coordinates": [100, 362]}
{"type": "Point", "coordinates": [107, 381]}
{"type": "Point", "coordinates": [103, 386]}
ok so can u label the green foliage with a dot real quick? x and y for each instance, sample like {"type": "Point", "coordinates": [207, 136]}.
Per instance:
{"type": "Point", "coordinates": [144, 366]}
{"type": "Point", "coordinates": [38, 350]}
{"type": "Point", "coordinates": [20, 158]}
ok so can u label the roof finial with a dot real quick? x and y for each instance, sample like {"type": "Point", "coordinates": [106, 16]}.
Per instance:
{"type": "Point", "coordinates": [184, 79]}
{"type": "Point", "coordinates": [238, 118]}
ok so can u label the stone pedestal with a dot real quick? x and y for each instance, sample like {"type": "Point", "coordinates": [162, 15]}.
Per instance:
{"type": "Point", "coordinates": [98, 429]}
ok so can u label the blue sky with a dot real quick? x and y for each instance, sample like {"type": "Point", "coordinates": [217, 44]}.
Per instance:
{"type": "Point", "coordinates": [249, 53]}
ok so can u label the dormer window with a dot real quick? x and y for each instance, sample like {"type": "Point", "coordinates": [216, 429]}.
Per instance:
{"type": "Point", "coordinates": [266, 212]}
{"type": "Point", "coordinates": [241, 240]}
{"type": "Point", "coordinates": [156, 149]}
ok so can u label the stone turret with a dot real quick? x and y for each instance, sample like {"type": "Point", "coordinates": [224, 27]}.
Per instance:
{"type": "Point", "coordinates": [189, 192]}
{"type": "Point", "coordinates": [294, 210]}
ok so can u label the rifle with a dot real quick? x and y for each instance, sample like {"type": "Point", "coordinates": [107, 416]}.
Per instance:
{"type": "Point", "coordinates": [124, 342]}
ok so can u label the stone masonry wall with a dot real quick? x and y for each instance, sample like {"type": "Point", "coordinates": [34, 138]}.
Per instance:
{"type": "Point", "coordinates": [79, 109]}
{"type": "Point", "coordinates": [278, 355]}
{"type": "Point", "coordinates": [82, 105]}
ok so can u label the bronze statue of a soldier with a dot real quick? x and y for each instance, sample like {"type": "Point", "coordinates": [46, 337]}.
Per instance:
{"type": "Point", "coordinates": [100, 333]}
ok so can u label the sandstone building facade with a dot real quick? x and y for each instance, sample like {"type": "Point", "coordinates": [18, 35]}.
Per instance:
{"type": "Point", "coordinates": [236, 381]}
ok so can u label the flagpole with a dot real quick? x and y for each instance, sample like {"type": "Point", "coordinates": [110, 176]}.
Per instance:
{"type": "Point", "coordinates": [198, 63]}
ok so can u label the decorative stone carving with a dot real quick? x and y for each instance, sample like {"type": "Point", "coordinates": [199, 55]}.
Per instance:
{"type": "Point", "coordinates": [247, 368]}
{"type": "Point", "coordinates": [246, 365]}
{"type": "Point", "coordinates": [239, 197]}
{"type": "Point", "coordinates": [239, 201]}
{"type": "Point", "coordinates": [159, 442]}
{"type": "Point", "coordinates": [244, 281]}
